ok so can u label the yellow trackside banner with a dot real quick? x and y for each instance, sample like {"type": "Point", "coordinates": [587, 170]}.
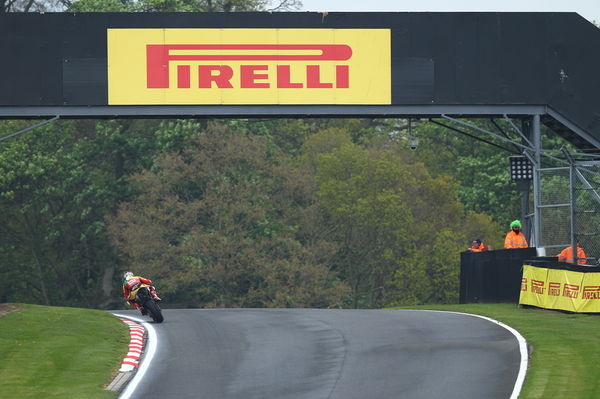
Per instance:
{"type": "Point", "coordinates": [560, 289]}
{"type": "Point", "coordinates": [249, 66]}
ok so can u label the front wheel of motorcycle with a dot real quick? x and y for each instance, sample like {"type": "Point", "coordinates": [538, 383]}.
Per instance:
{"type": "Point", "coordinates": [154, 310]}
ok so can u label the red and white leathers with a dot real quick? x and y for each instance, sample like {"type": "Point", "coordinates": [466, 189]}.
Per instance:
{"type": "Point", "coordinates": [132, 283]}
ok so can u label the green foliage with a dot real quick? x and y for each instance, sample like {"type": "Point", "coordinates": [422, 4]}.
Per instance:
{"type": "Point", "coordinates": [243, 215]}
{"type": "Point", "coordinates": [323, 142]}
{"type": "Point", "coordinates": [225, 217]}
{"type": "Point", "coordinates": [482, 226]}
{"type": "Point", "coordinates": [398, 228]}
{"type": "Point", "coordinates": [210, 226]}
{"type": "Point", "coordinates": [172, 135]}
{"type": "Point", "coordinates": [180, 5]}
{"type": "Point", "coordinates": [50, 207]}
{"type": "Point", "coordinates": [287, 135]}
{"type": "Point", "coordinates": [58, 183]}
{"type": "Point", "coordinates": [481, 170]}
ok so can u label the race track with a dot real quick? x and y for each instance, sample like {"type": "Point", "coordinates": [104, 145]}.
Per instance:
{"type": "Point", "coordinates": [336, 354]}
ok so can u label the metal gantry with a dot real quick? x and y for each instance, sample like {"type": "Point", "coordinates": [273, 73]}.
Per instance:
{"type": "Point", "coordinates": [582, 184]}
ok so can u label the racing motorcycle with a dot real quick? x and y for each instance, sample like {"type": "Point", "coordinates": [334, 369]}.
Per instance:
{"type": "Point", "coordinates": [147, 305]}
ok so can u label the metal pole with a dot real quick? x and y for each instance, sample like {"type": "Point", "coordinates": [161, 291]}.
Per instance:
{"type": "Point", "coordinates": [524, 187]}
{"type": "Point", "coordinates": [572, 171]}
{"type": "Point", "coordinates": [573, 200]}
{"type": "Point", "coordinates": [29, 128]}
{"type": "Point", "coordinates": [537, 146]}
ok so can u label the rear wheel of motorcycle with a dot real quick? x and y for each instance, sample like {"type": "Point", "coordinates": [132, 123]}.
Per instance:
{"type": "Point", "coordinates": [154, 310]}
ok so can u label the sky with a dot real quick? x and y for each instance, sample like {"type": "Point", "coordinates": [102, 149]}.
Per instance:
{"type": "Point", "coordinates": [589, 9]}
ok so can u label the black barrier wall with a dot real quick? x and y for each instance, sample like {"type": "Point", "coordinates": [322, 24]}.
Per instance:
{"type": "Point", "coordinates": [492, 276]}
{"type": "Point", "coordinates": [549, 262]}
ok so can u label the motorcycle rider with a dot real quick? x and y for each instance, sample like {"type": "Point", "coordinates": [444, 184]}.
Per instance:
{"type": "Point", "coordinates": [130, 283]}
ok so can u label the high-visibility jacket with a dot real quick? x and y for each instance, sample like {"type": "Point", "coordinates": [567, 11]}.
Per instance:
{"type": "Point", "coordinates": [482, 247]}
{"type": "Point", "coordinates": [515, 241]}
{"type": "Point", "coordinates": [566, 255]}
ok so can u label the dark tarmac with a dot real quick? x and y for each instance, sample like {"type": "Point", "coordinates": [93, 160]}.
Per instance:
{"type": "Point", "coordinates": [333, 354]}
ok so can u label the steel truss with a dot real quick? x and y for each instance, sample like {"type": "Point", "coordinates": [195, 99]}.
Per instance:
{"type": "Point", "coordinates": [529, 144]}
{"type": "Point", "coordinates": [29, 128]}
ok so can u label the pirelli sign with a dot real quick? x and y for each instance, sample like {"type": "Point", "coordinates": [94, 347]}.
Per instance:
{"type": "Point", "coordinates": [249, 66]}
{"type": "Point", "coordinates": [562, 289]}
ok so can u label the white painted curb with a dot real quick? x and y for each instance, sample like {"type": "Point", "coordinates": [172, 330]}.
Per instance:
{"type": "Point", "coordinates": [136, 346]}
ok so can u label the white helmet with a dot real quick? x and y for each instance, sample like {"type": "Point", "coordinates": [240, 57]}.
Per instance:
{"type": "Point", "coordinates": [128, 275]}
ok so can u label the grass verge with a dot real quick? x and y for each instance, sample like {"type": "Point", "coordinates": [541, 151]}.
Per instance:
{"type": "Point", "coordinates": [565, 348]}
{"type": "Point", "coordinates": [55, 352]}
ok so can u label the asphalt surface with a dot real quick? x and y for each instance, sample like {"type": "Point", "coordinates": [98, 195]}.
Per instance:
{"type": "Point", "coordinates": [333, 354]}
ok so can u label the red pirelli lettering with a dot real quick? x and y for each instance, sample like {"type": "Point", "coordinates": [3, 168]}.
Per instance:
{"type": "Point", "coordinates": [220, 75]}
{"type": "Point", "coordinates": [183, 77]}
{"type": "Point", "coordinates": [159, 57]}
{"type": "Point", "coordinates": [571, 290]}
{"type": "Point", "coordinates": [554, 289]}
{"type": "Point", "coordinates": [591, 292]}
{"type": "Point", "coordinates": [537, 286]}
{"type": "Point", "coordinates": [249, 76]}
{"type": "Point", "coordinates": [342, 73]}
{"type": "Point", "coordinates": [284, 78]}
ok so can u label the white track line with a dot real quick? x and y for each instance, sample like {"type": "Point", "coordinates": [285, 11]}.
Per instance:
{"type": "Point", "coordinates": [150, 351]}
{"type": "Point", "coordinates": [153, 344]}
{"type": "Point", "coordinates": [522, 348]}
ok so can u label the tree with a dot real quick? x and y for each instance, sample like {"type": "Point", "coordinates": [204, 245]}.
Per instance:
{"type": "Point", "coordinates": [51, 207]}
{"type": "Point", "coordinates": [480, 168]}
{"type": "Point", "coordinates": [287, 135]}
{"type": "Point", "coordinates": [390, 216]}
{"type": "Point", "coordinates": [32, 5]}
{"type": "Point", "coordinates": [180, 5]}
{"type": "Point", "coordinates": [58, 184]}
{"type": "Point", "coordinates": [206, 225]}
{"type": "Point", "coordinates": [147, 5]}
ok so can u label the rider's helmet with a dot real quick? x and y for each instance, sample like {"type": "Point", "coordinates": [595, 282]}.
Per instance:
{"type": "Point", "coordinates": [127, 275]}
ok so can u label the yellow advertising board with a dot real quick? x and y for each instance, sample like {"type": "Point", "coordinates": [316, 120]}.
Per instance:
{"type": "Point", "coordinates": [560, 289]}
{"type": "Point", "coordinates": [249, 66]}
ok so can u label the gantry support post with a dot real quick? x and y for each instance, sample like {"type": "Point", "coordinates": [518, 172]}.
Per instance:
{"type": "Point", "coordinates": [537, 148]}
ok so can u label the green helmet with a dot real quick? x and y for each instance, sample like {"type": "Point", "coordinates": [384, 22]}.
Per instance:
{"type": "Point", "coordinates": [515, 223]}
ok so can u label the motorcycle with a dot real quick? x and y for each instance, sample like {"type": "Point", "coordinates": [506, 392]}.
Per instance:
{"type": "Point", "coordinates": [141, 294]}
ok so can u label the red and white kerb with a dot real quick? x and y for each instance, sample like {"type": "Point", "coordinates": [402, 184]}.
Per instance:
{"type": "Point", "coordinates": [136, 345]}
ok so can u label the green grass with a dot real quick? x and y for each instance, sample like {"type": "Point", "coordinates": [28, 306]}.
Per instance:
{"type": "Point", "coordinates": [564, 362]}
{"type": "Point", "coordinates": [54, 352]}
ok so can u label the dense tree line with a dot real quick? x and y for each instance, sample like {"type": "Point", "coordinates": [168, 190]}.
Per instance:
{"type": "Point", "coordinates": [320, 213]}
{"type": "Point", "coordinates": [147, 5]}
